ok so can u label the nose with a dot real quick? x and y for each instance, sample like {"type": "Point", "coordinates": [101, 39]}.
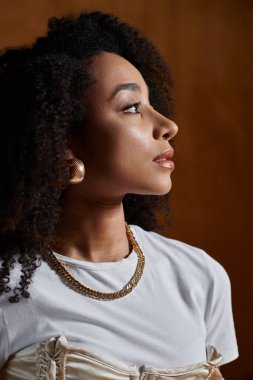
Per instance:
{"type": "Point", "coordinates": [165, 128]}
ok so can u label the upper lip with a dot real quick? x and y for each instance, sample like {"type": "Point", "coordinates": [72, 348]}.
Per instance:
{"type": "Point", "coordinates": [167, 154]}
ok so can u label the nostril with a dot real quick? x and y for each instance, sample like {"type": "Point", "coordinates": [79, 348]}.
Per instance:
{"type": "Point", "coordinates": [166, 128]}
{"type": "Point", "coordinates": [166, 136]}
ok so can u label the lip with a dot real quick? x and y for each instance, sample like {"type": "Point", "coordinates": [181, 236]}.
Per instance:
{"type": "Point", "coordinates": [164, 159]}
{"type": "Point", "coordinates": [168, 154]}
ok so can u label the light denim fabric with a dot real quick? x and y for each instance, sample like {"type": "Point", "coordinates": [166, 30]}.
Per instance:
{"type": "Point", "coordinates": [56, 359]}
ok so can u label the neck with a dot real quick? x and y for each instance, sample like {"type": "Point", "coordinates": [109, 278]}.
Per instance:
{"type": "Point", "coordinates": [91, 230]}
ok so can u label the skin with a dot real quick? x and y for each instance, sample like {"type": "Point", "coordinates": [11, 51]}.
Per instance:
{"type": "Point", "coordinates": [117, 147]}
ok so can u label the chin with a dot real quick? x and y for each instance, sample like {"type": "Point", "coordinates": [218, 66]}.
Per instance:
{"type": "Point", "coordinates": [163, 192]}
{"type": "Point", "coordinates": [159, 189]}
{"type": "Point", "coordinates": [163, 186]}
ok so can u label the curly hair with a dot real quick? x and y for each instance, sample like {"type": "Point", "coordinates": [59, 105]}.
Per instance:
{"type": "Point", "coordinates": [40, 90]}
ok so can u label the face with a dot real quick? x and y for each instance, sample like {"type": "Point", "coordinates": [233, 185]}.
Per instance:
{"type": "Point", "coordinates": [123, 134]}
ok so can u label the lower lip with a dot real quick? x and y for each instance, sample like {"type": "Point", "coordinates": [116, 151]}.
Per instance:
{"type": "Point", "coordinates": [166, 164]}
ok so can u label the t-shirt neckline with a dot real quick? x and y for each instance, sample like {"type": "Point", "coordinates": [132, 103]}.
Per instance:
{"type": "Point", "coordinates": [97, 266]}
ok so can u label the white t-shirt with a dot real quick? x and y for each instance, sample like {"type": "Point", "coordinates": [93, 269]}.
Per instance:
{"type": "Point", "coordinates": [181, 304]}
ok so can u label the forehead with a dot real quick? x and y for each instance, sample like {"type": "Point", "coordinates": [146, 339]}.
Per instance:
{"type": "Point", "coordinates": [109, 70]}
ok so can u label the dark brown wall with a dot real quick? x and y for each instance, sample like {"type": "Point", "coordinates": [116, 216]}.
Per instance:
{"type": "Point", "coordinates": [208, 44]}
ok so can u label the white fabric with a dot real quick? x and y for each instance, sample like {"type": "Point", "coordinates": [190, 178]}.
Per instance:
{"type": "Point", "coordinates": [181, 305]}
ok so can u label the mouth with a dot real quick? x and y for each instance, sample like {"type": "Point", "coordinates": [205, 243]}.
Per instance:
{"type": "Point", "coordinates": [164, 159]}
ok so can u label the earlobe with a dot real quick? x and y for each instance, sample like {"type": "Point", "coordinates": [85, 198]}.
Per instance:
{"type": "Point", "coordinates": [69, 154]}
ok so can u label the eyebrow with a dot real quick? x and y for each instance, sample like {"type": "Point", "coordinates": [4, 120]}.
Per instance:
{"type": "Point", "coordinates": [125, 86]}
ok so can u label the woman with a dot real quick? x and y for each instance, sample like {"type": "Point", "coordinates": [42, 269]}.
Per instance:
{"type": "Point", "coordinates": [89, 290]}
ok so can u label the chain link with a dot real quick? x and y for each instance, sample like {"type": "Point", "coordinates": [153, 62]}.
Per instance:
{"type": "Point", "coordinates": [79, 287]}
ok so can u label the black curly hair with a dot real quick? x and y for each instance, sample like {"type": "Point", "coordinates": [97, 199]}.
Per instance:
{"type": "Point", "coordinates": [40, 90]}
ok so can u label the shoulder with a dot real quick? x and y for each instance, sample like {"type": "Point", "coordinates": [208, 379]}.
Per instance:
{"type": "Point", "coordinates": [184, 258]}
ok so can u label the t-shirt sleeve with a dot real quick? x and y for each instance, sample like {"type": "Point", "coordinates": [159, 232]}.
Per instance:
{"type": "Point", "coordinates": [220, 330]}
{"type": "Point", "coordinates": [4, 342]}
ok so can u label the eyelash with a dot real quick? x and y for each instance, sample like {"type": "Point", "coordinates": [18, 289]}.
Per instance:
{"type": "Point", "coordinates": [136, 105]}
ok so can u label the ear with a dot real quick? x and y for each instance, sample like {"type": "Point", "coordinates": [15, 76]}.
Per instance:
{"type": "Point", "coordinates": [69, 154]}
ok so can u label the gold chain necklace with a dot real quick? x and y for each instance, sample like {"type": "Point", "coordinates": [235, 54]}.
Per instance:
{"type": "Point", "coordinates": [78, 286]}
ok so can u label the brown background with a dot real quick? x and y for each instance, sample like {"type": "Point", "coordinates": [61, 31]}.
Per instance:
{"type": "Point", "coordinates": [208, 44]}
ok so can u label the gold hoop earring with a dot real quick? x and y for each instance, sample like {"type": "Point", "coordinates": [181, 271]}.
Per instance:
{"type": "Point", "coordinates": [76, 171]}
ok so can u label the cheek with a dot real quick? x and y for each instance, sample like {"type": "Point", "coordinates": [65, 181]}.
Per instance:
{"type": "Point", "coordinates": [117, 137]}
{"type": "Point", "coordinates": [119, 146]}
{"type": "Point", "coordinates": [128, 160]}
{"type": "Point", "coordinates": [129, 144]}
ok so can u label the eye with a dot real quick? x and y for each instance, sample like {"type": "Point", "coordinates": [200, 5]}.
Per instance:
{"type": "Point", "coordinates": [132, 108]}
